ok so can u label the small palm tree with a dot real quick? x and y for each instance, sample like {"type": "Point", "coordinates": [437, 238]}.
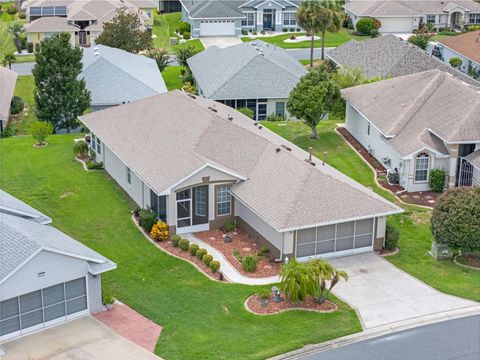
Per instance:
{"type": "Point", "coordinates": [324, 271]}
{"type": "Point", "coordinates": [297, 280]}
{"type": "Point", "coordinates": [8, 59]}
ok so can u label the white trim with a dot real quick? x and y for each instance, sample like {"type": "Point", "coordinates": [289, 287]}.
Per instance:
{"type": "Point", "coordinates": [425, 148]}
{"type": "Point", "coordinates": [266, 1]}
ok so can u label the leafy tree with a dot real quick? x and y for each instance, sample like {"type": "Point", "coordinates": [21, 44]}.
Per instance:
{"type": "Point", "coordinates": [8, 59]}
{"type": "Point", "coordinates": [185, 53]}
{"type": "Point", "coordinates": [40, 130]}
{"type": "Point", "coordinates": [319, 16]}
{"type": "Point", "coordinates": [297, 281]}
{"type": "Point", "coordinates": [455, 219]}
{"type": "Point", "coordinates": [11, 10]}
{"type": "Point", "coordinates": [7, 45]}
{"type": "Point", "coordinates": [325, 272]}
{"type": "Point", "coordinates": [456, 62]}
{"type": "Point", "coordinates": [60, 97]}
{"type": "Point", "coordinates": [313, 97]}
{"type": "Point", "coordinates": [421, 38]}
{"type": "Point", "coordinates": [125, 32]}
{"type": "Point", "coordinates": [247, 112]}
{"type": "Point", "coordinates": [161, 57]}
{"type": "Point", "coordinates": [365, 26]}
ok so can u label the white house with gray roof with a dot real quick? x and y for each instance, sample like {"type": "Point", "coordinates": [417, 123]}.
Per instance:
{"type": "Point", "coordinates": [8, 80]}
{"type": "Point", "coordinates": [254, 75]}
{"type": "Point", "coordinates": [114, 76]}
{"type": "Point", "coordinates": [46, 277]}
{"type": "Point", "coordinates": [199, 164]}
{"type": "Point", "coordinates": [415, 123]}
{"type": "Point", "coordinates": [230, 17]}
{"type": "Point", "coordinates": [399, 16]}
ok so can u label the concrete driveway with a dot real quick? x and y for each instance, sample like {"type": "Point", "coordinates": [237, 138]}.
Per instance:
{"type": "Point", "coordinates": [384, 294]}
{"type": "Point", "coordinates": [220, 41]}
{"type": "Point", "coordinates": [82, 339]}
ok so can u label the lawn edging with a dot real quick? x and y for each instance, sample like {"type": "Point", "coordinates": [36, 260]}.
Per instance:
{"type": "Point", "coordinates": [245, 304]}
{"type": "Point", "coordinates": [463, 265]}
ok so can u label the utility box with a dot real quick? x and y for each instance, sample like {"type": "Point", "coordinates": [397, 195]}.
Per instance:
{"type": "Point", "coordinates": [440, 251]}
{"type": "Point", "coordinates": [173, 41]}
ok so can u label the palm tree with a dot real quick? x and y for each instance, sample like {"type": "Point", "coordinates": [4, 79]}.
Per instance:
{"type": "Point", "coordinates": [297, 280]}
{"type": "Point", "coordinates": [324, 271]}
{"type": "Point", "coordinates": [8, 59]}
{"type": "Point", "coordinates": [319, 16]}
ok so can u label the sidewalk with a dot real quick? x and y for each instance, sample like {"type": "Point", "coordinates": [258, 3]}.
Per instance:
{"type": "Point", "coordinates": [227, 269]}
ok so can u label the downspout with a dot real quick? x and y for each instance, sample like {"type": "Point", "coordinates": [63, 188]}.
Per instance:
{"type": "Point", "coordinates": [281, 250]}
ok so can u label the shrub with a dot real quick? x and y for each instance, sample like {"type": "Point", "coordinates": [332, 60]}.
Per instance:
{"type": "Point", "coordinates": [249, 263]}
{"type": "Point", "coordinates": [91, 165]}
{"type": "Point", "coordinates": [374, 33]}
{"type": "Point", "coordinates": [391, 237]}
{"type": "Point", "coordinates": [192, 249]}
{"type": "Point", "coordinates": [284, 29]}
{"type": "Point", "coordinates": [247, 112]}
{"type": "Point", "coordinates": [8, 132]}
{"type": "Point", "coordinates": [214, 266]}
{"type": "Point", "coordinates": [455, 62]}
{"type": "Point", "coordinates": [37, 47]}
{"type": "Point", "coordinates": [229, 226]}
{"type": "Point", "coordinates": [263, 294]}
{"type": "Point", "coordinates": [273, 117]}
{"type": "Point", "coordinates": [30, 47]}
{"type": "Point", "coordinates": [159, 231]}
{"type": "Point", "coordinates": [455, 219]}
{"type": "Point", "coordinates": [265, 249]}
{"type": "Point", "coordinates": [187, 35]}
{"type": "Point", "coordinates": [200, 253]}
{"type": "Point", "coordinates": [184, 27]}
{"type": "Point", "coordinates": [293, 37]}
{"type": "Point", "coordinates": [365, 25]}
{"type": "Point", "coordinates": [207, 259]}
{"type": "Point", "coordinates": [189, 88]}
{"type": "Point", "coordinates": [292, 30]}
{"type": "Point", "coordinates": [80, 148]}
{"type": "Point", "coordinates": [377, 24]}
{"type": "Point", "coordinates": [236, 254]}
{"type": "Point", "coordinates": [254, 32]}
{"type": "Point", "coordinates": [184, 244]}
{"type": "Point", "coordinates": [22, 15]}
{"type": "Point", "coordinates": [16, 106]}
{"type": "Point", "coordinates": [147, 219]}
{"type": "Point", "coordinates": [175, 239]}
{"type": "Point", "coordinates": [107, 298]}
{"type": "Point", "coordinates": [40, 130]}
{"type": "Point", "coordinates": [437, 180]}
{"type": "Point", "coordinates": [244, 32]}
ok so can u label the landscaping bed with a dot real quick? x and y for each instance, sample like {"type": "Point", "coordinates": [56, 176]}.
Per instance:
{"type": "Point", "coordinates": [470, 260]}
{"type": "Point", "coordinates": [255, 304]}
{"type": "Point", "coordinates": [245, 246]}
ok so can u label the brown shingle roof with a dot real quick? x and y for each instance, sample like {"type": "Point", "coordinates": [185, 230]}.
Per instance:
{"type": "Point", "coordinates": [467, 44]}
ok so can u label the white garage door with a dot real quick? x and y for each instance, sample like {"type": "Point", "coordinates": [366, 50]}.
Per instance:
{"type": "Point", "coordinates": [343, 239]}
{"type": "Point", "coordinates": [396, 25]}
{"type": "Point", "coordinates": [41, 308]}
{"type": "Point", "coordinates": [217, 28]}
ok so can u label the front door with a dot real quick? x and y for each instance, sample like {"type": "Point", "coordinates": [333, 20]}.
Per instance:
{"type": "Point", "coordinates": [82, 38]}
{"type": "Point", "coordinates": [192, 210]}
{"type": "Point", "coordinates": [267, 21]}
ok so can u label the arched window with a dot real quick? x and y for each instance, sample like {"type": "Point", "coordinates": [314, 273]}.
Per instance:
{"type": "Point", "coordinates": [422, 166]}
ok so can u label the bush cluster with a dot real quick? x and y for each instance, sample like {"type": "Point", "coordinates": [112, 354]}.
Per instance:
{"type": "Point", "coordinates": [147, 219]}
{"type": "Point", "coordinates": [365, 26]}
{"type": "Point", "coordinates": [195, 250]}
{"type": "Point", "coordinates": [80, 148]}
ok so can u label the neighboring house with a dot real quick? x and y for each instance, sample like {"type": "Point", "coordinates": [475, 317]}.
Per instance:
{"type": "Point", "coordinates": [46, 277]}
{"type": "Point", "coordinates": [115, 76]}
{"type": "Point", "coordinates": [255, 75]}
{"type": "Point", "coordinates": [83, 19]}
{"type": "Point", "coordinates": [406, 16]}
{"type": "Point", "coordinates": [199, 164]}
{"type": "Point", "coordinates": [389, 55]}
{"type": "Point", "coordinates": [415, 123]}
{"type": "Point", "coordinates": [230, 17]}
{"type": "Point", "coordinates": [169, 6]}
{"type": "Point", "coordinates": [8, 79]}
{"type": "Point", "coordinates": [466, 47]}
{"type": "Point", "coordinates": [472, 164]}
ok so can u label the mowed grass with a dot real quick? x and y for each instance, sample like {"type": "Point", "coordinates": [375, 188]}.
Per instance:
{"type": "Point", "coordinates": [172, 77]}
{"type": "Point", "coordinates": [201, 319]}
{"type": "Point", "coordinates": [413, 225]}
{"type": "Point", "coordinates": [164, 28]}
{"type": "Point", "coordinates": [25, 88]}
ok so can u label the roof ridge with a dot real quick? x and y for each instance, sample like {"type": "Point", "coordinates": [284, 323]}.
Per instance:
{"type": "Point", "coordinates": [475, 110]}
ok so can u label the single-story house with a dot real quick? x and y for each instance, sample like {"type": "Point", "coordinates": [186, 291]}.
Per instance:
{"type": "Point", "coordinates": [406, 16]}
{"type": "Point", "coordinates": [415, 123]}
{"type": "Point", "coordinates": [114, 76]}
{"type": "Point", "coordinates": [199, 164]}
{"type": "Point", "coordinates": [256, 75]}
{"type": "Point", "coordinates": [46, 277]}
{"type": "Point", "coordinates": [8, 80]}
{"type": "Point", "coordinates": [466, 47]}
{"type": "Point", "coordinates": [83, 19]}
{"type": "Point", "coordinates": [389, 56]}
{"type": "Point", "coordinates": [230, 17]}
{"type": "Point", "coordinates": [472, 164]}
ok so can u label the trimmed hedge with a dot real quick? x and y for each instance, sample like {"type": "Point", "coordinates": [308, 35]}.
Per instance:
{"type": "Point", "coordinates": [200, 253]}
{"type": "Point", "coordinates": [437, 180]}
{"type": "Point", "coordinates": [175, 239]}
{"type": "Point", "coordinates": [214, 266]}
{"type": "Point", "coordinates": [207, 259]}
{"type": "Point", "coordinates": [184, 244]}
{"type": "Point", "coordinates": [184, 27]}
{"type": "Point", "coordinates": [193, 249]}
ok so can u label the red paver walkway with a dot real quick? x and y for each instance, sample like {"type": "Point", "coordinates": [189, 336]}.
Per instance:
{"type": "Point", "coordinates": [131, 325]}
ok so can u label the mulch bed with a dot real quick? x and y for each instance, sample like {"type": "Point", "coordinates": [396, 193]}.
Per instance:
{"type": "Point", "coordinates": [243, 243]}
{"type": "Point", "coordinates": [472, 260]}
{"type": "Point", "coordinates": [423, 198]}
{"type": "Point", "coordinates": [255, 305]}
{"type": "Point", "coordinates": [387, 252]}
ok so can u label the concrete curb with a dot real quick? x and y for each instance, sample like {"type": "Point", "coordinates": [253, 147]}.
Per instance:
{"type": "Point", "coordinates": [380, 331]}
{"type": "Point", "coordinates": [464, 266]}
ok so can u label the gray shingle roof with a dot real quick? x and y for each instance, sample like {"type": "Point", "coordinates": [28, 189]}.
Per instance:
{"type": "Point", "coordinates": [420, 110]}
{"type": "Point", "coordinates": [115, 76]}
{"type": "Point", "coordinates": [8, 79]}
{"type": "Point", "coordinates": [166, 138]}
{"type": "Point", "coordinates": [22, 237]}
{"type": "Point", "coordinates": [50, 24]}
{"type": "Point", "coordinates": [474, 159]}
{"type": "Point", "coordinates": [246, 71]}
{"type": "Point", "coordinates": [390, 56]}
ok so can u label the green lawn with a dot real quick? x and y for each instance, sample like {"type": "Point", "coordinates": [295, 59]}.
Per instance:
{"type": "Point", "coordinates": [25, 88]}
{"type": "Point", "coordinates": [6, 18]}
{"type": "Point", "coordinates": [413, 225]}
{"type": "Point", "coordinates": [171, 76]}
{"type": "Point", "coordinates": [164, 27]}
{"type": "Point", "coordinates": [200, 318]}
{"type": "Point", "coordinates": [25, 58]}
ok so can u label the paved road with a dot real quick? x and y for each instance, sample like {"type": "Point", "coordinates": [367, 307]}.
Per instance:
{"type": "Point", "coordinates": [457, 339]}
{"type": "Point", "coordinates": [23, 68]}
{"type": "Point", "coordinates": [302, 54]}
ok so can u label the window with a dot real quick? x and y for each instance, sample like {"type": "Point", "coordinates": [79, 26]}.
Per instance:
{"type": "Point", "coordinates": [252, 105]}
{"type": "Point", "coordinates": [289, 19]}
{"type": "Point", "coordinates": [230, 103]}
{"type": "Point", "coordinates": [94, 142]}
{"type": "Point", "coordinates": [280, 109]}
{"type": "Point", "coordinates": [48, 11]}
{"type": "Point", "coordinates": [422, 165]}
{"type": "Point", "coordinates": [99, 146]}
{"type": "Point", "coordinates": [431, 19]}
{"type": "Point", "coordinates": [129, 176]}
{"type": "Point", "coordinates": [474, 18]}
{"type": "Point", "coordinates": [368, 129]}
{"type": "Point", "coordinates": [241, 104]}
{"type": "Point", "coordinates": [35, 10]}
{"type": "Point", "coordinates": [262, 111]}
{"type": "Point", "coordinates": [201, 194]}
{"type": "Point", "coordinates": [224, 200]}
{"type": "Point", "coordinates": [60, 11]}
{"type": "Point", "coordinates": [250, 20]}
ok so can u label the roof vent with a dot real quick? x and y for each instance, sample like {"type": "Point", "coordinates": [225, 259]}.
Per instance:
{"type": "Point", "coordinates": [260, 127]}
{"type": "Point", "coordinates": [255, 123]}
{"type": "Point", "coordinates": [277, 150]}
{"type": "Point", "coordinates": [229, 117]}
{"type": "Point", "coordinates": [254, 43]}
{"type": "Point", "coordinates": [212, 109]}
{"type": "Point", "coordinates": [286, 147]}
{"type": "Point", "coordinates": [191, 96]}
{"type": "Point", "coordinates": [309, 160]}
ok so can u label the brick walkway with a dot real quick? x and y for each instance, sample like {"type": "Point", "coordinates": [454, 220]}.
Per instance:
{"type": "Point", "coordinates": [131, 325]}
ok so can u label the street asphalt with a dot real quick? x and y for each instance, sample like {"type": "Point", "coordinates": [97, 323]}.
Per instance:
{"type": "Point", "coordinates": [457, 339]}
{"type": "Point", "coordinates": [303, 54]}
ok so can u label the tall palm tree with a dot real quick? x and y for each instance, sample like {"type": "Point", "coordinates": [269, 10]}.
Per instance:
{"type": "Point", "coordinates": [319, 16]}
{"type": "Point", "coordinates": [324, 271]}
{"type": "Point", "coordinates": [297, 281]}
{"type": "Point", "coordinates": [8, 59]}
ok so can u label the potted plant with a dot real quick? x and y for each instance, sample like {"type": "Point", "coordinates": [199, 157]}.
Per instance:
{"type": "Point", "coordinates": [108, 300]}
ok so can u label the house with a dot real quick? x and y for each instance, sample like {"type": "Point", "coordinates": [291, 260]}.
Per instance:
{"type": "Point", "coordinates": [114, 76]}
{"type": "Point", "coordinates": [199, 164]}
{"type": "Point", "coordinates": [406, 16]}
{"type": "Point", "coordinates": [230, 17]}
{"type": "Point", "coordinates": [389, 56]}
{"type": "Point", "coordinates": [46, 277]}
{"type": "Point", "coordinates": [255, 75]}
{"type": "Point", "coordinates": [415, 123]}
{"type": "Point", "coordinates": [83, 19]}
{"type": "Point", "coordinates": [466, 47]}
{"type": "Point", "coordinates": [8, 80]}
